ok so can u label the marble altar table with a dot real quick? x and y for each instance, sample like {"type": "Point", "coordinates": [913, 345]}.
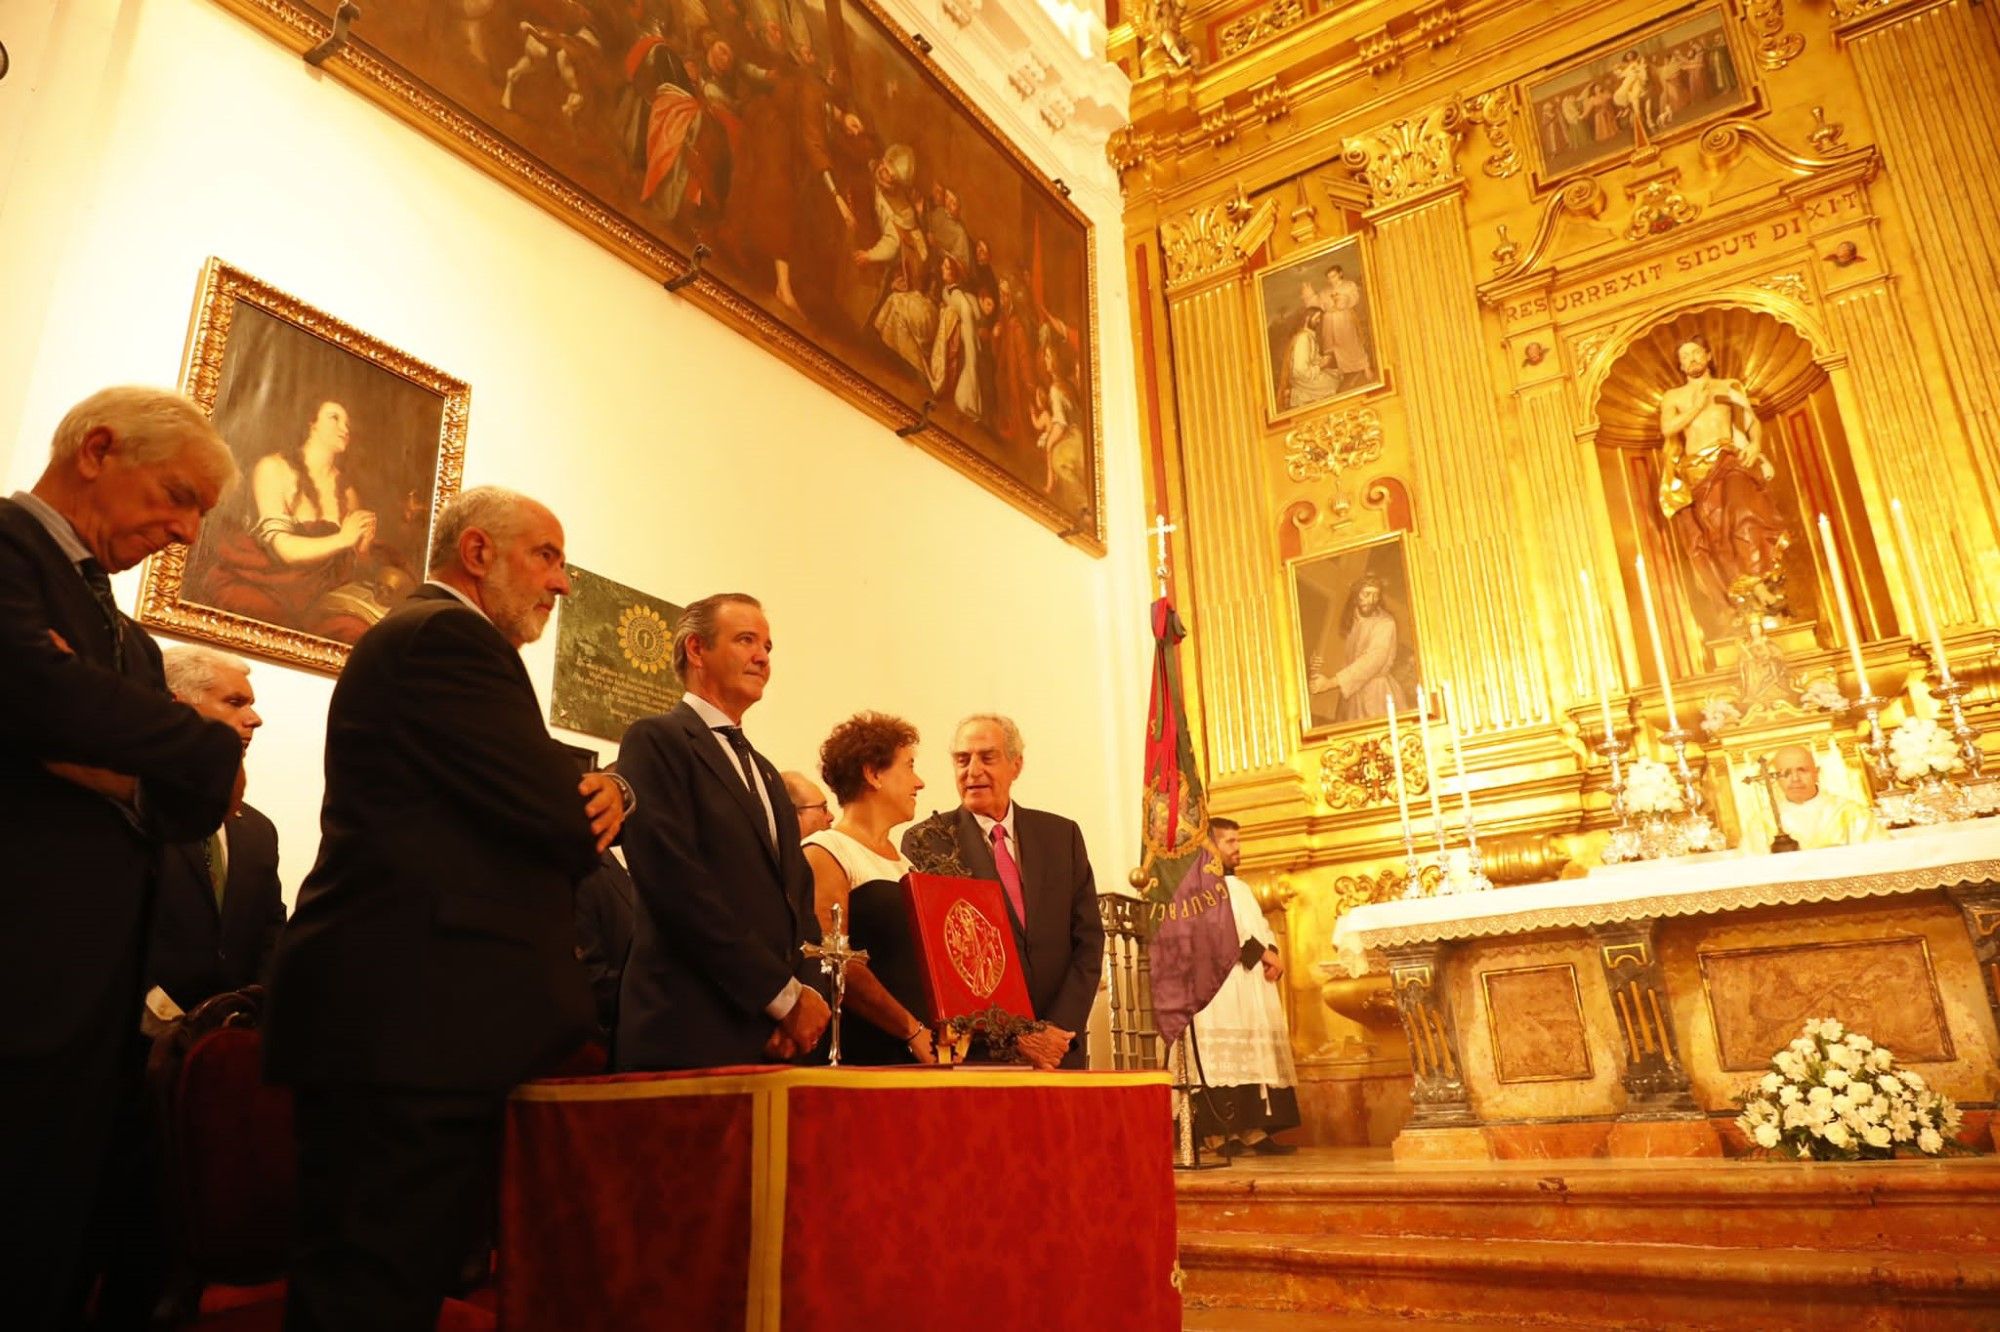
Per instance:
{"type": "Point", "coordinates": [1621, 1012]}
{"type": "Point", "coordinates": [839, 1200]}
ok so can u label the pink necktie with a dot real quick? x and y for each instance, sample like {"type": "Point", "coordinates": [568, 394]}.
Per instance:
{"type": "Point", "coordinates": [1010, 873]}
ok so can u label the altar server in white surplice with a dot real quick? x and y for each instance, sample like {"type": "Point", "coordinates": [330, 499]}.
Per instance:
{"type": "Point", "coordinates": [1813, 812]}
{"type": "Point", "coordinates": [1245, 1052]}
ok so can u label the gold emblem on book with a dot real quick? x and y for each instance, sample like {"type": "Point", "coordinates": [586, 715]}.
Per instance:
{"type": "Point", "coordinates": [972, 942]}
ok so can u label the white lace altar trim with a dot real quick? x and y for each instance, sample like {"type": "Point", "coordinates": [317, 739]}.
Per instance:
{"type": "Point", "coordinates": [1943, 857]}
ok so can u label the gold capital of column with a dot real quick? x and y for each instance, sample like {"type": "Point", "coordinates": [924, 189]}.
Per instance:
{"type": "Point", "coordinates": [1855, 18]}
{"type": "Point", "coordinates": [1213, 240]}
{"type": "Point", "coordinates": [1407, 163]}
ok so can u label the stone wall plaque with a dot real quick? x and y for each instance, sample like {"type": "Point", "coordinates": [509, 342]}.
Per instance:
{"type": "Point", "coordinates": [614, 656]}
{"type": "Point", "coordinates": [1759, 999]}
{"type": "Point", "coordinates": [1535, 1017]}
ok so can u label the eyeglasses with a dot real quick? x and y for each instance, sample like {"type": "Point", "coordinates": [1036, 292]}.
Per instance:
{"type": "Point", "coordinates": [803, 808]}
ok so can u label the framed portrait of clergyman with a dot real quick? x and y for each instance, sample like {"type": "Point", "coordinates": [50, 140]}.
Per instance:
{"type": "Point", "coordinates": [1314, 313]}
{"type": "Point", "coordinates": [1354, 621]}
{"type": "Point", "coordinates": [347, 449]}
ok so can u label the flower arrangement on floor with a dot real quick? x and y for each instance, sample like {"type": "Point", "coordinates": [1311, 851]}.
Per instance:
{"type": "Point", "coordinates": [1835, 1095]}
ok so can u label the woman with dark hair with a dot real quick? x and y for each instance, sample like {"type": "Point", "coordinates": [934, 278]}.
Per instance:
{"type": "Point", "coordinates": [304, 539]}
{"type": "Point", "coordinates": [869, 763]}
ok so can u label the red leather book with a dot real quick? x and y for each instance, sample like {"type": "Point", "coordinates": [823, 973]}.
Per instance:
{"type": "Point", "coordinates": [965, 946]}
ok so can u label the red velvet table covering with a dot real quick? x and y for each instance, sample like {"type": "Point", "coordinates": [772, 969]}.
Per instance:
{"type": "Point", "coordinates": [839, 1200]}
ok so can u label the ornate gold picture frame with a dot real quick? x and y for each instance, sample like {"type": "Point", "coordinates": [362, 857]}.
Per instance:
{"type": "Point", "coordinates": [807, 174]}
{"type": "Point", "coordinates": [1353, 663]}
{"type": "Point", "coordinates": [1654, 84]}
{"type": "Point", "coordinates": [1316, 329]}
{"type": "Point", "coordinates": [348, 447]}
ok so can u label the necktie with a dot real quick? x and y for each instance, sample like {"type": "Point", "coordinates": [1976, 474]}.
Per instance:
{"type": "Point", "coordinates": [1010, 873]}
{"type": "Point", "coordinates": [100, 588]}
{"type": "Point", "coordinates": [741, 744]}
{"type": "Point", "coordinates": [211, 851]}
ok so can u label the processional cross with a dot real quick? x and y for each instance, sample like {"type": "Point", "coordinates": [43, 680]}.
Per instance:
{"type": "Point", "coordinates": [835, 956]}
{"type": "Point", "coordinates": [1160, 531]}
{"type": "Point", "coordinates": [1781, 840]}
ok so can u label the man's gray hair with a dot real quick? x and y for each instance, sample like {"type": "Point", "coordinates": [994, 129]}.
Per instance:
{"type": "Point", "coordinates": [1010, 733]}
{"type": "Point", "coordinates": [191, 671]}
{"type": "Point", "coordinates": [700, 621]}
{"type": "Point", "coordinates": [494, 510]}
{"type": "Point", "coordinates": [147, 425]}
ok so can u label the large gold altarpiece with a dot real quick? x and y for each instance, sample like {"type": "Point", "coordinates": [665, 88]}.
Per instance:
{"type": "Point", "coordinates": [1828, 219]}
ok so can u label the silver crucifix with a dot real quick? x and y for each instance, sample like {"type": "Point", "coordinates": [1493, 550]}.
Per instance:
{"type": "Point", "coordinates": [835, 956]}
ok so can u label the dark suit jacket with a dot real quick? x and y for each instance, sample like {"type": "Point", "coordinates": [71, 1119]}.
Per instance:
{"type": "Point", "coordinates": [604, 935]}
{"type": "Point", "coordinates": [195, 950]}
{"type": "Point", "coordinates": [1062, 943]}
{"type": "Point", "coordinates": [433, 945]}
{"type": "Point", "coordinates": [721, 911]}
{"type": "Point", "coordinates": [79, 871]}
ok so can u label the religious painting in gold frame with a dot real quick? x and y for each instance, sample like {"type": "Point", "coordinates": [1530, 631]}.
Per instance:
{"type": "Point", "coordinates": [1354, 626]}
{"type": "Point", "coordinates": [1664, 81]}
{"type": "Point", "coordinates": [347, 449]}
{"type": "Point", "coordinates": [851, 209]}
{"type": "Point", "coordinates": [1316, 329]}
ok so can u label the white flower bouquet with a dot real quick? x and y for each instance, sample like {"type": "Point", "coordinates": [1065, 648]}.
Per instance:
{"type": "Point", "coordinates": [1652, 788]}
{"type": "Point", "coordinates": [1835, 1095]}
{"type": "Point", "coordinates": [1921, 748]}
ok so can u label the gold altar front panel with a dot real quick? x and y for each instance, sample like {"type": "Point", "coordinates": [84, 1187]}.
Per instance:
{"type": "Point", "coordinates": [1837, 206]}
{"type": "Point", "coordinates": [1492, 1057]}
{"type": "Point", "coordinates": [1759, 999]}
{"type": "Point", "coordinates": [1810, 943]}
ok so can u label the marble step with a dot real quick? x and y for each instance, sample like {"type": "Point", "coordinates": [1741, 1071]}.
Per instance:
{"type": "Point", "coordinates": [1669, 1287]}
{"type": "Point", "coordinates": [1952, 1204]}
{"type": "Point", "coordinates": [1279, 1320]}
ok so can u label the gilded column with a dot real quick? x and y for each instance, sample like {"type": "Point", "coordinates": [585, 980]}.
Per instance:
{"type": "Point", "coordinates": [1556, 473]}
{"type": "Point", "coordinates": [1895, 409]}
{"type": "Point", "coordinates": [1232, 620]}
{"type": "Point", "coordinates": [1468, 545]}
{"type": "Point", "coordinates": [1931, 75]}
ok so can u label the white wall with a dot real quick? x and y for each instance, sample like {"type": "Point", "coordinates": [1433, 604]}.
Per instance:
{"type": "Point", "coordinates": [137, 139]}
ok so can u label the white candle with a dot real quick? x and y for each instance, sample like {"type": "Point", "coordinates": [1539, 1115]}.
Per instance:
{"type": "Point", "coordinates": [1396, 762]}
{"type": "Point", "coordinates": [1659, 642]}
{"type": "Point", "coordinates": [1458, 760]}
{"type": "Point", "coordinates": [1598, 626]}
{"type": "Point", "coordinates": [1908, 549]}
{"type": "Point", "coordinates": [1430, 768]}
{"type": "Point", "coordinates": [1846, 605]}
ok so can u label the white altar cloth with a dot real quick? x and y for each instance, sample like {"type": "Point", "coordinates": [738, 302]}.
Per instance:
{"type": "Point", "coordinates": [1908, 862]}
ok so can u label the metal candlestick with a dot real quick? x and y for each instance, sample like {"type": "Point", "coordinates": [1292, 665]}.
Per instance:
{"type": "Point", "coordinates": [1699, 831]}
{"type": "Point", "coordinates": [1877, 746]}
{"type": "Point", "coordinates": [835, 956]}
{"type": "Point", "coordinates": [1953, 692]}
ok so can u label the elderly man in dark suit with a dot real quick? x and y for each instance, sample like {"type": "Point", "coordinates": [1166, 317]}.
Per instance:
{"type": "Point", "coordinates": [1039, 862]}
{"type": "Point", "coordinates": [220, 907]}
{"type": "Point", "coordinates": [725, 900]}
{"type": "Point", "coordinates": [430, 964]}
{"type": "Point", "coordinates": [100, 768]}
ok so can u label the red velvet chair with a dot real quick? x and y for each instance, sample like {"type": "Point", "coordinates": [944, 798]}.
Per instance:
{"type": "Point", "coordinates": [228, 1174]}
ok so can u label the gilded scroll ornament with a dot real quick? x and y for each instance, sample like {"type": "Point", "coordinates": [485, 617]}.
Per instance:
{"type": "Point", "coordinates": [1787, 286]}
{"type": "Point", "coordinates": [1157, 24]}
{"type": "Point", "coordinates": [1494, 112]}
{"type": "Point", "coordinates": [1825, 136]}
{"type": "Point", "coordinates": [1333, 445]}
{"type": "Point", "coordinates": [1409, 157]}
{"type": "Point", "coordinates": [1776, 48]}
{"type": "Point", "coordinates": [1353, 890]}
{"type": "Point", "coordinates": [1259, 25]}
{"type": "Point", "coordinates": [1203, 245]}
{"type": "Point", "coordinates": [1587, 347]}
{"type": "Point", "coordinates": [1845, 11]}
{"type": "Point", "coordinates": [1507, 252]}
{"type": "Point", "coordinates": [1355, 774]}
{"type": "Point", "coordinates": [1657, 208]}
